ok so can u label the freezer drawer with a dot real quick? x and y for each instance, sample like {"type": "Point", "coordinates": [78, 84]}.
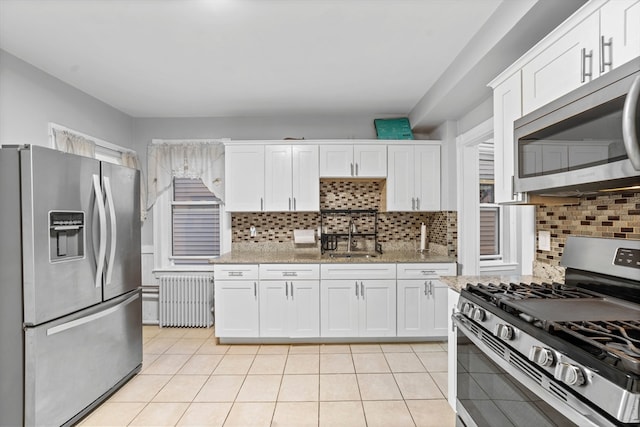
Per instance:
{"type": "Point", "coordinates": [71, 362]}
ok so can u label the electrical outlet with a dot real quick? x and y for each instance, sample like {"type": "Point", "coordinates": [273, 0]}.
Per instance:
{"type": "Point", "coordinates": [544, 240]}
{"type": "Point", "coordinates": [252, 231]}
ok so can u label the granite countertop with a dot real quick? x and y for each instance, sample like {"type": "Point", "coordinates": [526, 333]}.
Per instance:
{"type": "Point", "coordinates": [457, 283]}
{"type": "Point", "coordinates": [304, 257]}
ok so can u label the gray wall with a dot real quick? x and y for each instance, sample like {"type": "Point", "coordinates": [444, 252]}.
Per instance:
{"type": "Point", "coordinates": [31, 98]}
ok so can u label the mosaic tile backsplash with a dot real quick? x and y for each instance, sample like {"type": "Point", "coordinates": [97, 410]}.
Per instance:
{"type": "Point", "coordinates": [393, 227]}
{"type": "Point", "coordinates": [611, 215]}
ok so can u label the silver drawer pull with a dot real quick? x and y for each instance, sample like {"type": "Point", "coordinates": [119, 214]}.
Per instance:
{"type": "Point", "coordinates": [289, 274]}
{"type": "Point", "coordinates": [428, 272]}
{"type": "Point", "coordinates": [236, 273]}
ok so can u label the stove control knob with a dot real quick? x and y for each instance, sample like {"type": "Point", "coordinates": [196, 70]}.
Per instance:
{"type": "Point", "coordinates": [569, 374]}
{"type": "Point", "coordinates": [466, 308]}
{"type": "Point", "coordinates": [542, 356]}
{"type": "Point", "coordinates": [503, 331]}
{"type": "Point", "coordinates": [478, 314]}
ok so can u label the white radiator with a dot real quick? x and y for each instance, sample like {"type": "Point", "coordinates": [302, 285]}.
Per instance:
{"type": "Point", "coordinates": [186, 300]}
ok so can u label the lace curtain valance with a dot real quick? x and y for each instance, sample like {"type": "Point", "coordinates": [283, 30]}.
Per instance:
{"type": "Point", "coordinates": [185, 159]}
{"type": "Point", "coordinates": [70, 142]}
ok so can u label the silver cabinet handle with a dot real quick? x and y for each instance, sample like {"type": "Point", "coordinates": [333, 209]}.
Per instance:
{"type": "Point", "coordinates": [430, 288]}
{"type": "Point", "coordinates": [604, 44]}
{"type": "Point", "coordinates": [294, 204]}
{"type": "Point", "coordinates": [261, 204]}
{"type": "Point", "coordinates": [289, 203]}
{"type": "Point", "coordinates": [286, 290]}
{"type": "Point", "coordinates": [114, 230]}
{"type": "Point", "coordinates": [425, 287]}
{"type": "Point", "coordinates": [102, 215]}
{"type": "Point", "coordinates": [291, 290]}
{"type": "Point", "coordinates": [362, 290]}
{"type": "Point", "coordinates": [413, 203]}
{"type": "Point", "coordinates": [629, 124]}
{"type": "Point", "coordinates": [356, 289]}
{"type": "Point", "coordinates": [417, 203]}
{"type": "Point", "coordinates": [255, 289]}
{"type": "Point", "coordinates": [351, 169]}
{"type": "Point", "coordinates": [583, 69]}
{"type": "Point", "coordinates": [356, 169]}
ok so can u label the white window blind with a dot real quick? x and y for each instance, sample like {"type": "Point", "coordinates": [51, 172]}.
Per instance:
{"type": "Point", "coordinates": [195, 222]}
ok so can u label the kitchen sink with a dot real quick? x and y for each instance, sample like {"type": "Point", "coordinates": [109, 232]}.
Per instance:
{"type": "Point", "coordinates": [352, 255]}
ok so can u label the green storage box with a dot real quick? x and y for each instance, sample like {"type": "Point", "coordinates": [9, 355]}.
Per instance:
{"type": "Point", "coordinates": [393, 128]}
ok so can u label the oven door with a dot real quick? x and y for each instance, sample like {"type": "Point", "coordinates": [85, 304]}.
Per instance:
{"type": "Point", "coordinates": [498, 387]}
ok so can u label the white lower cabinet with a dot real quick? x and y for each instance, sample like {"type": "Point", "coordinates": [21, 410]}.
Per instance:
{"type": "Point", "coordinates": [289, 308]}
{"type": "Point", "coordinates": [422, 311]}
{"type": "Point", "coordinates": [236, 300]}
{"type": "Point", "coordinates": [358, 308]}
{"type": "Point", "coordinates": [351, 300]}
{"type": "Point", "coordinates": [452, 348]}
{"type": "Point", "coordinates": [358, 300]}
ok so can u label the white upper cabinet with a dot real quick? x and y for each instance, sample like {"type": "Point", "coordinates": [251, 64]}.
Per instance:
{"type": "Point", "coordinates": [569, 62]}
{"type": "Point", "coordinates": [598, 38]}
{"type": "Point", "coordinates": [244, 178]}
{"type": "Point", "coordinates": [619, 33]}
{"type": "Point", "coordinates": [413, 181]}
{"type": "Point", "coordinates": [291, 178]}
{"type": "Point", "coordinates": [272, 177]}
{"type": "Point", "coordinates": [353, 161]}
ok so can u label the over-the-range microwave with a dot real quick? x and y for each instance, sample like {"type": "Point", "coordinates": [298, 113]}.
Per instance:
{"type": "Point", "coordinates": [583, 142]}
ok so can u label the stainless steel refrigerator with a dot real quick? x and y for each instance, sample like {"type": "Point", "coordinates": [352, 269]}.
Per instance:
{"type": "Point", "coordinates": [70, 301]}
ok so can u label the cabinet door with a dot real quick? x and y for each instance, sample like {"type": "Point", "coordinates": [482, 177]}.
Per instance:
{"type": "Point", "coordinates": [377, 308]}
{"type": "Point", "coordinates": [370, 161]}
{"type": "Point", "coordinates": [236, 308]}
{"type": "Point", "coordinates": [273, 308]}
{"type": "Point", "coordinates": [507, 107]}
{"type": "Point", "coordinates": [400, 180]}
{"type": "Point", "coordinates": [412, 308]}
{"type": "Point", "coordinates": [620, 26]}
{"type": "Point", "coordinates": [244, 178]}
{"type": "Point", "coordinates": [336, 161]}
{"type": "Point", "coordinates": [438, 309]}
{"type": "Point", "coordinates": [306, 178]}
{"type": "Point", "coordinates": [562, 67]}
{"type": "Point", "coordinates": [277, 180]}
{"type": "Point", "coordinates": [304, 309]}
{"type": "Point", "coordinates": [452, 348]}
{"type": "Point", "coordinates": [338, 308]}
{"type": "Point", "coordinates": [427, 178]}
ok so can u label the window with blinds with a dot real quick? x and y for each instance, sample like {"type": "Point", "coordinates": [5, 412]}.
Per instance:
{"type": "Point", "coordinates": [195, 214]}
{"type": "Point", "coordinates": [489, 211]}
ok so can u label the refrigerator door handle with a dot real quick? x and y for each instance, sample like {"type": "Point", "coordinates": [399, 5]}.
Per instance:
{"type": "Point", "coordinates": [114, 234]}
{"type": "Point", "coordinates": [87, 319]}
{"type": "Point", "coordinates": [103, 231]}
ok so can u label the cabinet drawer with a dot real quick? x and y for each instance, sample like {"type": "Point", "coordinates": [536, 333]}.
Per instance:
{"type": "Point", "coordinates": [235, 271]}
{"type": "Point", "coordinates": [289, 271]}
{"type": "Point", "coordinates": [426, 270]}
{"type": "Point", "coordinates": [358, 271]}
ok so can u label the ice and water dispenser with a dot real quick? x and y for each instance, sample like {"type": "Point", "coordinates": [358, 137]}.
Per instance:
{"type": "Point", "coordinates": [66, 235]}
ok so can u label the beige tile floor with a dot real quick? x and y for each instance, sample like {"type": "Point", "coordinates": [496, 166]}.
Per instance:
{"type": "Point", "coordinates": [189, 380]}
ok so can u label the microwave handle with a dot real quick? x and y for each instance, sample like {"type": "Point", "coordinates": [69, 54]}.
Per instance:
{"type": "Point", "coordinates": [629, 125]}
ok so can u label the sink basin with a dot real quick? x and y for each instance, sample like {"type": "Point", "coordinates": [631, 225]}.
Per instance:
{"type": "Point", "coordinates": [352, 255]}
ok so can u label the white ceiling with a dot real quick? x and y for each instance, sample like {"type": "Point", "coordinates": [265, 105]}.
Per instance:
{"type": "Point", "coordinates": [224, 58]}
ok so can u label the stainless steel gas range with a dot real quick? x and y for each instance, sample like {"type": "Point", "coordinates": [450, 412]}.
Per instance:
{"type": "Point", "coordinates": [550, 354]}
